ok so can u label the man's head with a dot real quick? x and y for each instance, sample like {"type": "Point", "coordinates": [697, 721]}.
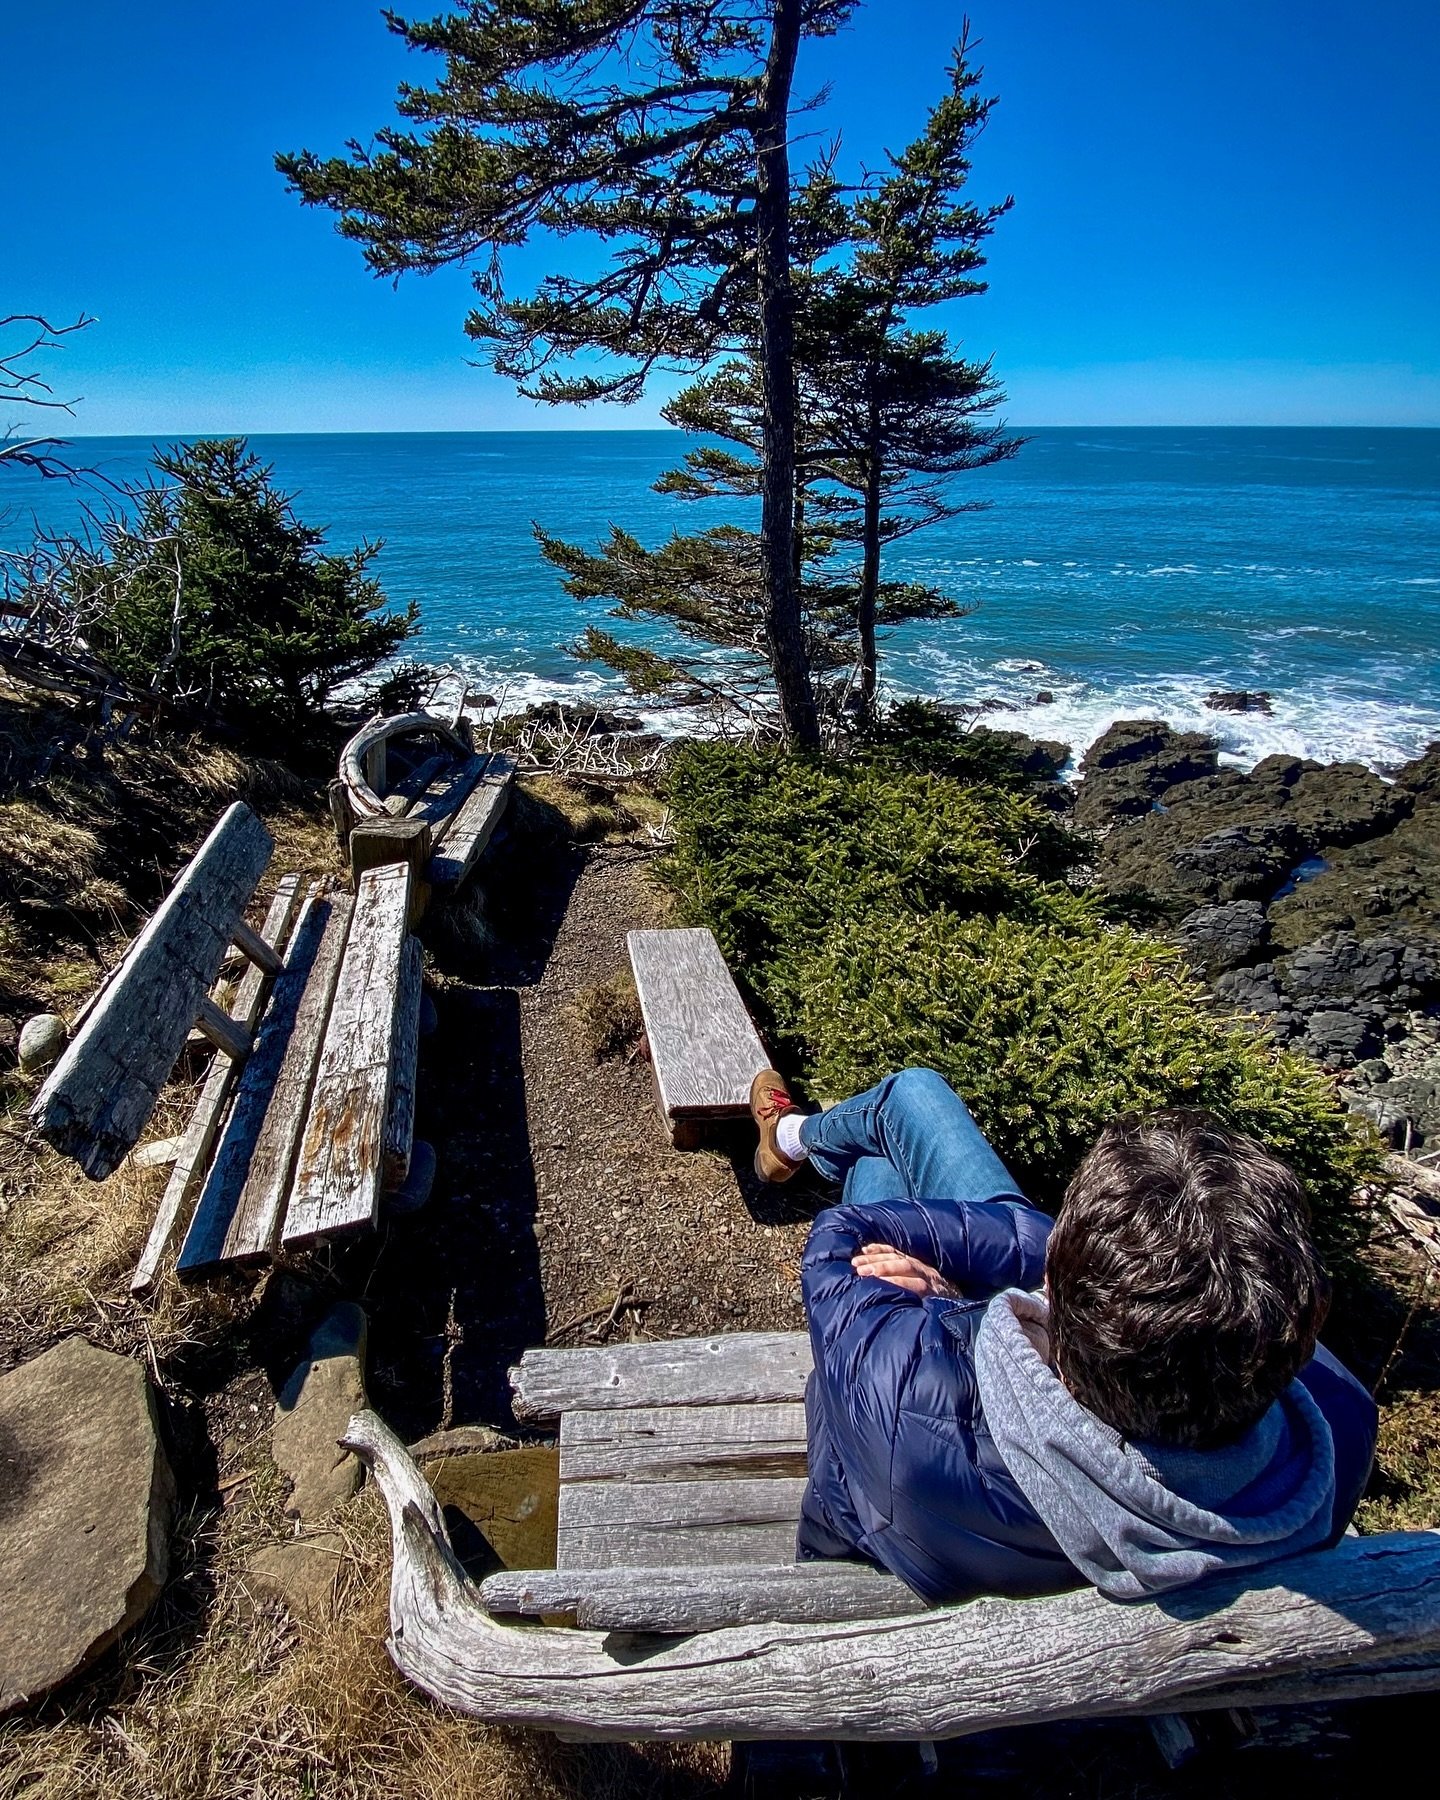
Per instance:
{"type": "Point", "coordinates": [1185, 1293]}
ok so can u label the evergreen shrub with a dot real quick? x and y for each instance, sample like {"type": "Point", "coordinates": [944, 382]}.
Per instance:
{"type": "Point", "coordinates": [883, 918]}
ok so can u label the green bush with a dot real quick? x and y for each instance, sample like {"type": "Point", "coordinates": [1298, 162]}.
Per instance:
{"type": "Point", "coordinates": [210, 592]}
{"type": "Point", "coordinates": [884, 919]}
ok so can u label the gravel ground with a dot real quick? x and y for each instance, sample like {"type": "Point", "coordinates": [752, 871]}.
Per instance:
{"type": "Point", "coordinates": [561, 1215]}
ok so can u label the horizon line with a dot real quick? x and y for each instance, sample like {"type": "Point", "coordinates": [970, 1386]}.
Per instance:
{"type": "Point", "coordinates": [671, 430]}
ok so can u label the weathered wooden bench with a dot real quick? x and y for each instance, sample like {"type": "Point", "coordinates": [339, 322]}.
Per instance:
{"type": "Point", "coordinates": [704, 1048]}
{"type": "Point", "coordinates": [306, 1114]}
{"type": "Point", "coordinates": [421, 769]}
{"type": "Point", "coordinates": [681, 1468]}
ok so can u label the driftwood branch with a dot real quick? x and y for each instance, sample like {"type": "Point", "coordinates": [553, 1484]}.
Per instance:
{"type": "Point", "coordinates": [365, 803]}
{"type": "Point", "coordinates": [1360, 1619]}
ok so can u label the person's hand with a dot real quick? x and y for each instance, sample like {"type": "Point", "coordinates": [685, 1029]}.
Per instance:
{"type": "Point", "coordinates": [906, 1272]}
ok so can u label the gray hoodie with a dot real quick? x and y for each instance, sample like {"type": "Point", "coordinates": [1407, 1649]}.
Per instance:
{"type": "Point", "coordinates": [1139, 1519]}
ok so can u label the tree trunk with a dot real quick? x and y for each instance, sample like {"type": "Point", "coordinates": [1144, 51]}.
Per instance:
{"type": "Point", "coordinates": [870, 574]}
{"type": "Point", "coordinates": [784, 630]}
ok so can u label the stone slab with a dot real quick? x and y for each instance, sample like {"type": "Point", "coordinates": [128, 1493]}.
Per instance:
{"type": "Point", "coordinates": [86, 1495]}
{"type": "Point", "coordinates": [312, 1412]}
{"type": "Point", "coordinates": [302, 1573]}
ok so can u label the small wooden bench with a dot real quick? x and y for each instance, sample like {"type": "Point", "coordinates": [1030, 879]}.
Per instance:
{"type": "Point", "coordinates": [681, 1469]}
{"type": "Point", "coordinates": [421, 768]}
{"type": "Point", "coordinates": [306, 1114]}
{"type": "Point", "coordinates": [704, 1048]}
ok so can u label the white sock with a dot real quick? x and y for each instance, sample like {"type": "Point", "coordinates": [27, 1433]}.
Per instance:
{"type": "Point", "coordinates": [787, 1137]}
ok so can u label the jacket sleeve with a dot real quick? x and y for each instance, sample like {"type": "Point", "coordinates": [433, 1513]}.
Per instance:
{"type": "Point", "coordinates": [979, 1246]}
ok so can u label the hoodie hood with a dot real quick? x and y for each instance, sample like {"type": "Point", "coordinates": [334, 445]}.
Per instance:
{"type": "Point", "coordinates": [1139, 1519]}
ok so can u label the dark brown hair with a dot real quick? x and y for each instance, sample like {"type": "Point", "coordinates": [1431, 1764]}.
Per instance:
{"type": "Point", "coordinates": [1185, 1292]}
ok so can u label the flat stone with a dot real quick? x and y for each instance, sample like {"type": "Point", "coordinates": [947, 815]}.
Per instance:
{"type": "Point", "coordinates": [303, 1574]}
{"type": "Point", "coordinates": [312, 1412]}
{"type": "Point", "coordinates": [42, 1043]}
{"type": "Point", "coordinates": [85, 1501]}
{"type": "Point", "coordinates": [1223, 937]}
{"type": "Point", "coordinates": [511, 1497]}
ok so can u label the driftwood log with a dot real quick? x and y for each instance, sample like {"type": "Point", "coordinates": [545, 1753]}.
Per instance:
{"type": "Point", "coordinates": [364, 802]}
{"type": "Point", "coordinates": [1361, 1619]}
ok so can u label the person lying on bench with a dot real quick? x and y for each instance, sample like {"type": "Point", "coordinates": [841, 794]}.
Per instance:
{"type": "Point", "coordinates": [1131, 1395]}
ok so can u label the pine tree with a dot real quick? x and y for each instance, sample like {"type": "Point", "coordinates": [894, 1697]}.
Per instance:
{"type": "Point", "coordinates": [887, 416]}
{"type": "Point", "coordinates": [659, 129]}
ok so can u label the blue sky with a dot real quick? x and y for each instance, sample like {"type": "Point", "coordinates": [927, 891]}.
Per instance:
{"type": "Point", "coordinates": [1225, 214]}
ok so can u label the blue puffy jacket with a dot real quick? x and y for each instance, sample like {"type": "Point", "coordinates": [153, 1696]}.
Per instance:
{"type": "Point", "coordinates": [902, 1466]}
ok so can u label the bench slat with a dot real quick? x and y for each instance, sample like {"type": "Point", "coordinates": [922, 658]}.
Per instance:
{"type": "Point", "coordinates": [667, 1599]}
{"type": "Point", "coordinates": [684, 1443]}
{"type": "Point", "coordinates": [605, 1525]}
{"type": "Point", "coordinates": [704, 1049]}
{"type": "Point", "coordinates": [740, 1367]}
{"type": "Point", "coordinates": [400, 1119]}
{"type": "Point", "coordinates": [97, 1100]}
{"type": "Point", "coordinates": [472, 827]}
{"type": "Point", "coordinates": [447, 792]}
{"type": "Point", "coordinates": [244, 1192]}
{"type": "Point", "coordinates": [193, 1150]}
{"type": "Point", "coordinates": [339, 1174]}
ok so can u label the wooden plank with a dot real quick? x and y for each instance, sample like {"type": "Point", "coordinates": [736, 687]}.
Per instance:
{"type": "Point", "coordinates": [404, 1059]}
{"type": "Point", "coordinates": [667, 1599]}
{"type": "Point", "coordinates": [245, 1190]}
{"type": "Point", "coordinates": [607, 1525]}
{"type": "Point", "coordinates": [339, 1173]}
{"type": "Point", "coordinates": [684, 1443]}
{"type": "Point", "coordinates": [1361, 1618]}
{"type": "Point", "coordinates": [740, 1367]}
{"type": "Point", "coordinates": [193, 1150]}
{"type": "Point", "coordinates": [704, 1049]}
{"type": "Point", "coordinates": [408, 788]}
{"type": "Point", "coordinates": [472, 826]}
{"type": "Point", "coordinates": [448, 791]}
{"type": "Point", "coordinates": [97, 1099]}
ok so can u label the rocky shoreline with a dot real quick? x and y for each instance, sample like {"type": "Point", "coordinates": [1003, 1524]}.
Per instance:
{"type": "Point", "coordinates": [1306, 894]}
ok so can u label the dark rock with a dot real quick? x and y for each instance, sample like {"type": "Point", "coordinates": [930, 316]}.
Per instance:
{"type": "Point", "coordinates": [1039, 759]}
{"type": "Point", "coordinates": [1372, 1071]}
{"type": "Point", "coordinates": [1132, 765]}
{"type": "Point", "coordinates": [1280, 770]}
{"type": "Point", "coordinates": [1387, 885]}
{"type": "Point", "coordinates": [1339, 1039]}
{"type": "Point", "coordinates": [1388, 1119]}
{"type": "Point", "coordinates": [1238, 862]}
{"type": "Point", "coordinates": [1254, 990]}
{"type": "Point", "coordinates": [1421, 778]}
{"type": "Point", "coordinates": [85, 1501]}
{"type": "Point", "coordinates": [1215, 938]}
{"type": "Point", "coordinates": [1043, 698]}
{"type": "Point", "coordinates": [1239, 700]}
{"type": "Point", "coordinates": [1343, 804]}
{"type": "Point", "coordinates": [1370, 969]}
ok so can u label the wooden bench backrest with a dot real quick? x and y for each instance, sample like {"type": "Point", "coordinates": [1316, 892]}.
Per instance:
{"type": "Point", "coordinates": [101, 1093]}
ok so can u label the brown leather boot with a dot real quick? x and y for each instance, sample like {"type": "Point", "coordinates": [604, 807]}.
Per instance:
{"type": "Point", "coordinates": [769, 1100]}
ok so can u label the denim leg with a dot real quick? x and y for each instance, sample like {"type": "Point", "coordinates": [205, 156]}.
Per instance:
{"type": "Point", "coordinates": [921, 1127]}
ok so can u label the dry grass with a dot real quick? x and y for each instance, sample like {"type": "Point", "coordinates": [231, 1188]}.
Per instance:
{"type": "Point", "coordinates": [608, 1016]}
{"type": "Point", "coordinates": [224, 1697]}
{"type": "Point", "coordinates": [593, 812]}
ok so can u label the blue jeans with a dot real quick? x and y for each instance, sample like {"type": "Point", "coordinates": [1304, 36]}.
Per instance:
{"type": "Point", "coordinates": [910, 1137]}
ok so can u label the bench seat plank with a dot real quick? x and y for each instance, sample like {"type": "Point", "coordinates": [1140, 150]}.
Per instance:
{"type": "Point", "coordinates": [339, 1174]}
{"type": "Point", "coordinates": [101, 1093]}
{"type": "Point", "coordinates": [405, 1057]}
{"type": "Point", "coordinates": [704, 1049]}
{"type": "Point", "coordinates": [196, 1142]}
{"type": "Point", "coordinates": [605, 1525]}
{"type": "Point", "coordinates": [447, 792]}
{"type": "Point", "coordinates": [666, 1599]}
{"type": "Point", "coordinates": [245, 1189]}
{"type": "Point", "coordinates": [739, 1367]}
{"type": "Point", "coordinates": [472, 827]}
{"type": "Point", "coordinates": [684, 1443]}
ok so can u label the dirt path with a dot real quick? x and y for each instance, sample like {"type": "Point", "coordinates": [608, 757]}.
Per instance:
{"type": "Point", "coordinates": [561, 1214]}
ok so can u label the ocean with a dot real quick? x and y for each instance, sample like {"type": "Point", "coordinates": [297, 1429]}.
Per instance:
{"type": "Point", "coordinates": [1121, 572]}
